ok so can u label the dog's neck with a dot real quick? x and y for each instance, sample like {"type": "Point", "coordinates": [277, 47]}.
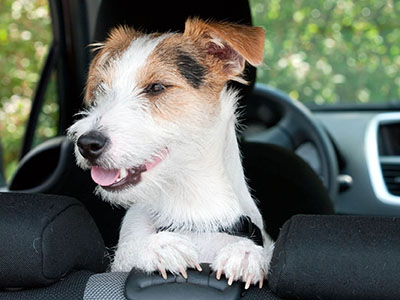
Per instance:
{"type": "Point", "coordinates": [209, 191]}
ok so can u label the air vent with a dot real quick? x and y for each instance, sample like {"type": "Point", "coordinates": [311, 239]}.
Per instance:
{"type": "Point", "coordinates": [391, 176]}
{"type": "Point", "coordinates": [382, 150]}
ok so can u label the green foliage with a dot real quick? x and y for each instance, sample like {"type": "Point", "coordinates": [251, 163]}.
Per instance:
{"type": "Point", "coordinates": [25, 34]}
{"type": "Point", "coordinates": [334, 51]}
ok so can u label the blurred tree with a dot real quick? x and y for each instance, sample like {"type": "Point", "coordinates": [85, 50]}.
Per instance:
{"type": "Point", "coordinates": [331, 51]}
{"type": "Point", "coordinates": [25, 34]}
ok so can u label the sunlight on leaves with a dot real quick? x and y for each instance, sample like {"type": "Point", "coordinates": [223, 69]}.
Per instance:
{"type": "Point", "coordinates": [25, 34]}
{"type": "Point", "coordinates": [349, 49]}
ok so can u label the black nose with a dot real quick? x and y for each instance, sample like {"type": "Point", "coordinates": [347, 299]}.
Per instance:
{"type": "Point", "coordinates": [92, 144]}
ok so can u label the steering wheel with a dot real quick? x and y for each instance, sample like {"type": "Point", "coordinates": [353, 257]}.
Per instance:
{"type": "Point", "coordinates": [290, 125]}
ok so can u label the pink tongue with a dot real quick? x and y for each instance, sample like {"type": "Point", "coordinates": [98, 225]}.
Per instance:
{"type": "Point", "coordinates": [104, 177]}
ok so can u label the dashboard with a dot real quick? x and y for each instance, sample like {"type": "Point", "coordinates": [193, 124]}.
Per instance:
{"type": "Point", "coordinates": [369, 143]}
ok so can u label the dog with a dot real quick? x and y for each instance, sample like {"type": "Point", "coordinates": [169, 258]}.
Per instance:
{"type": "Point", "coordinates": [159, 136]}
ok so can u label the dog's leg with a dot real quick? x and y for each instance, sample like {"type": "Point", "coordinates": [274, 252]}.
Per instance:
{"type": "Point", "coordinates": [244, 260]}
{"type": "Point", "coordinates": [141, 247]}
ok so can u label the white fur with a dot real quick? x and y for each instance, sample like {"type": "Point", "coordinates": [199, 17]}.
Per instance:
{"type": "Point", "coordinates": [197, 189]}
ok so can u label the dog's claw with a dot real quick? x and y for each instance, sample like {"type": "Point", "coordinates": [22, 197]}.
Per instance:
{"type": "Point", "coordinates": [163, 272]}
{"type": "Point", "coordinates": [260, 284]}
{"type": "Point", "coordinates": [261, 280]}
{"type": "Point", "coordinates": [183, 272]}
{"type": "Point", "coordinates": [230, 281]}
{"type": "Point", "coordinates": [219, 273]}
{"type": "Point", "coordinates": [198, 267]}
{"type": "Point", "coordinates": [248, 282]}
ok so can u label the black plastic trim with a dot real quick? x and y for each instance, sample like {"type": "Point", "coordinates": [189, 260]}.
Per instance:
{"type": "Point", "coordinates": [198, 285]}
{"type": "Point", "coordinates": [39, 98]}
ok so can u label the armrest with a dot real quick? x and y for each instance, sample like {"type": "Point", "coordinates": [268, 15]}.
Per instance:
{"type": "Point", "coordinates": [45, 237]}
{"type": "Point", "coordinates": [337, 257]}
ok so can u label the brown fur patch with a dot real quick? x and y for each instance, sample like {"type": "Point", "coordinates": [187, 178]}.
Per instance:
{"type": "Point", "coordinates": [228, 45]}
{"type": "Point", "coordinates": [100, 69]}
{"type": "Point", "coordinates": [217, 53]}
{"type": "Point", "coordinates": [248, 41]}
{"type": "Point", "coordinates": [181, 96]}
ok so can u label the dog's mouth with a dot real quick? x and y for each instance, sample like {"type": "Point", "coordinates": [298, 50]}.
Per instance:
{"type": "Point", "coordinates": [119, 179]}
{"type": "Point", "coordinates": [114, 179]}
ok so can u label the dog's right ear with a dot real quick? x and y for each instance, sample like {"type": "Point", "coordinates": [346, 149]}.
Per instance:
{"type": "Point", "coordinates": [228, 46]}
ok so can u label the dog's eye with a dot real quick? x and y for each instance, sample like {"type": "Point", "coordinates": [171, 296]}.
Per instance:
{"type": "Point", "coordinates": [154, 88]}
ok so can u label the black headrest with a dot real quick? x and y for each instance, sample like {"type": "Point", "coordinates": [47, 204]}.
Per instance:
{"type": "Point", "coordinates": [163, 16]}
{"type": "Point", "coordinates": [45, 237]}
{"type": "Point", "coordinates": [337, 257]}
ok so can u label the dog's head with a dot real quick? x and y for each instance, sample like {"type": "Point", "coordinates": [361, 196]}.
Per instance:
{"type": "Point", "coordinates": [150, 96]}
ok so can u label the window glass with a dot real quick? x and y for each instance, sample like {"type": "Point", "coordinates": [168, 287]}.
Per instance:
{"type": "Point", "coordinates": [25, 34]}
{"type": "Point", "coordinates": [331, 51]}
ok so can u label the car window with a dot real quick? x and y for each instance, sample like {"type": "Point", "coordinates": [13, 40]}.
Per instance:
{"type": "Point", "coordinates": [25, 36]}
{"type": "Point", "coordinates": [331, 52]}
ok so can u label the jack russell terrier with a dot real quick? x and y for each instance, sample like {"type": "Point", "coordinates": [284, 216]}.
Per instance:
{"type": "Point", "coordinates": [159, 137]}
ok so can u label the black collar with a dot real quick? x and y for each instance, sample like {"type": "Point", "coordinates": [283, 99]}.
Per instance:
{"type": "Point", "coordinates": [243, 227]}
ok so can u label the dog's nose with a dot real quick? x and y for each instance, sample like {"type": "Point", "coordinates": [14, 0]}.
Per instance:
{"type": "Point", "coordinates": [91, 144]}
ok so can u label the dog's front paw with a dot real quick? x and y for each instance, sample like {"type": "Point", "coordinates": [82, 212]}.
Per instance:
{"type": "Point", "coordinates": [243, 261]}
{"type": "Point", "coordinates": [173, 252]}
{"type": "Point", "coordinates": [164, 251]}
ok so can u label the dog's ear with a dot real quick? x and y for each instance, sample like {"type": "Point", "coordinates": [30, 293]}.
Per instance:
{"type": "Point", "coordinates": [228, 44]}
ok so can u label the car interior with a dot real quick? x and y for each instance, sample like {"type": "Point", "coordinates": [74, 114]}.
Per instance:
{"type": "Point", "coordinates": [326, 183]}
